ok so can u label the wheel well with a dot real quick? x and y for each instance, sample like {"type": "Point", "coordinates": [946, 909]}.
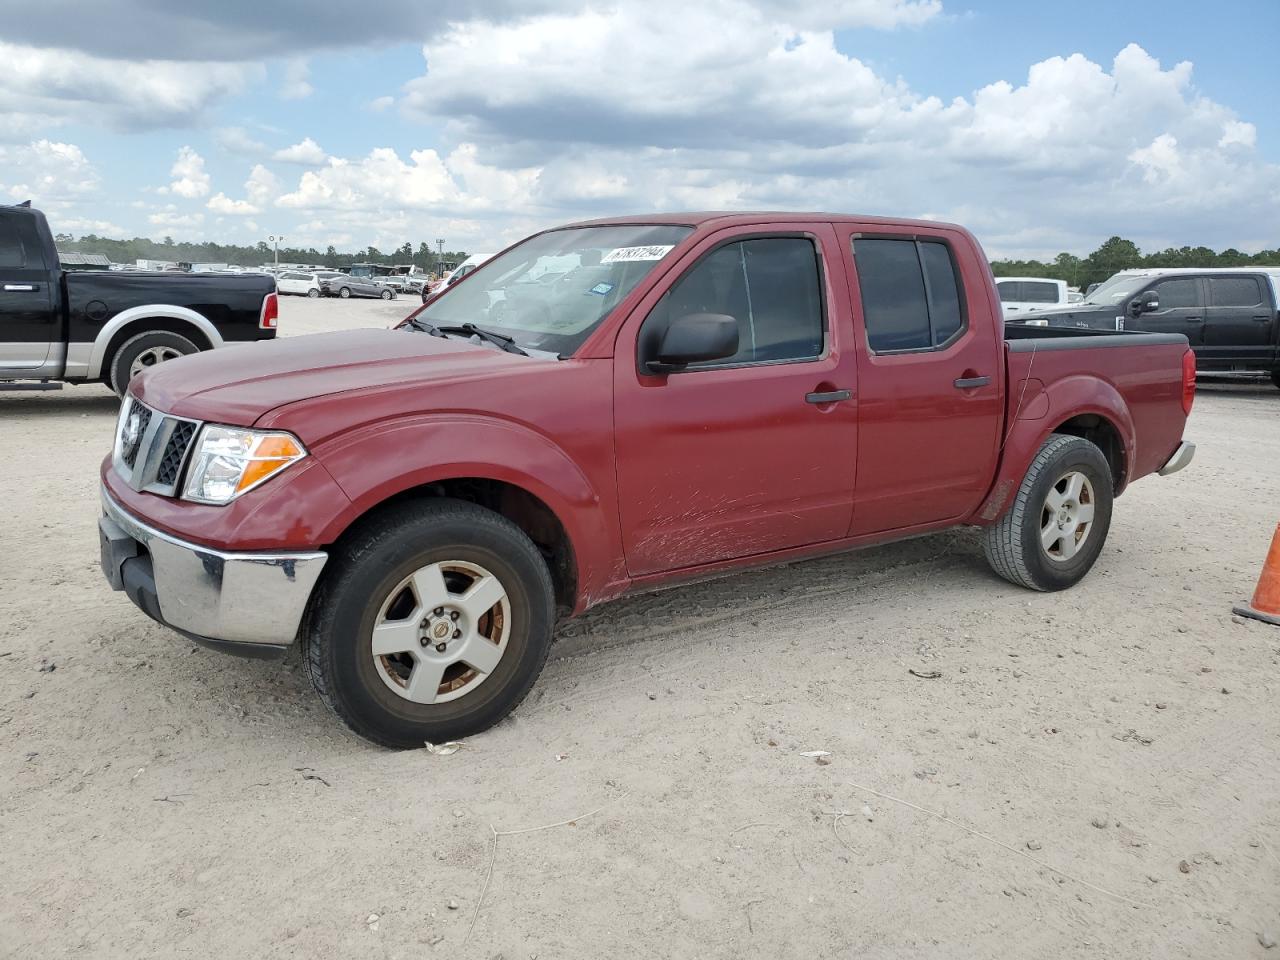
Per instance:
{"type": "Point", "coordinates": [518, 505]}
{"type": "Point", "coordinates": [149, 325]}
{"type": "Point", "coordinates": [1102, 433]}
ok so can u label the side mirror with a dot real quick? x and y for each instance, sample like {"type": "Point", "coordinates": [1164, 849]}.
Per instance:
{"type": "Point", "coordinates": [1147, 303]}
{"type": "Point", "coordinates": [695, 338]}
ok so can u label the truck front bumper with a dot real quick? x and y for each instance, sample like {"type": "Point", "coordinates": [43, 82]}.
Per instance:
{"type": "Point", "coordinates": [244, 603]}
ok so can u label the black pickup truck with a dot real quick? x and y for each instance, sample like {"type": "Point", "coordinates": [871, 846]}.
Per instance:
{"type": "Point", "coordinates": [104, 327]}
{"type": "Point", "coordinates": [1231, 317]}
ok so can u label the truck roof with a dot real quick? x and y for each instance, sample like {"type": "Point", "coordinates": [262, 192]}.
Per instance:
{"type": "Point", "coordinates": [725, 218]}
{"type": "Point", "coordinates": [1160, 271]}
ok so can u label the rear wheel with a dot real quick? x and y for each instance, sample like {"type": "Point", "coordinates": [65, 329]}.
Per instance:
{"type": "Point", "coordinates": [143, 351]}
{"type": "Point", "coordinates": [432, 624]}
{"type": "Point", "coordinates": [1052, 535]}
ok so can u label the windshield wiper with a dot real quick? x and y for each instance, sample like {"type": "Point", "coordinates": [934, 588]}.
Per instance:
{"type": "Point", "coordinates": [418, 323]}
{"type": "Point", "coordinates": [471, 330]}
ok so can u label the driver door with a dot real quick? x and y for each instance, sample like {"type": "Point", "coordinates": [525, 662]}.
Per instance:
{"type": "Point", "coordinates": [1181, 309]}
{"type": "Point", "coordinates": [752, 453]}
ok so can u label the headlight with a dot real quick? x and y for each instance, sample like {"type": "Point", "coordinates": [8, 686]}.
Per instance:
{"type": "Point", "coordinates": [229, 461]}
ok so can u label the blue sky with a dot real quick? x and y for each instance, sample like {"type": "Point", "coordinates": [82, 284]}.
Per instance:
{"type": "Point", "coordinates": [1042, 126]}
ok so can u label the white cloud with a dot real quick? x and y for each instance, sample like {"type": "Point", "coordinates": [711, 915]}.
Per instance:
{"type": "Point", "coordinates": [380, 104]}
{"type": "Point", "coordinates": [262, 185]}
{"type": "Point", "coordinates": [189, 177]}
{"type": "Point", "coordinates": [296, 85]}
{"type": "Point", "coordinates": [307, 153]}
{"type": "Point", "coordinates": [221, 203]}
{"type": "Point", "coordinates": [67, 85]}
{"type": "Point", "coordinates": [46, 172]}
{"type": "Point", "coordinates": [238, 140]}
{"type": "Point", "coordinates": [77, 225]}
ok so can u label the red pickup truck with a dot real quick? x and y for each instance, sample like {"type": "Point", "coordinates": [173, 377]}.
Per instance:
{"type": "Point", "coordinates": [605, 408]}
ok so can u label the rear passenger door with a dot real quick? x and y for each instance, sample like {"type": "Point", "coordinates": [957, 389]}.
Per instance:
{"type": "Point", "coordinates": [1240, 320]}
{"type": "Point", "coordinates": [931, 379]}
{"type": "Point", "coordinates": [1181, 309]}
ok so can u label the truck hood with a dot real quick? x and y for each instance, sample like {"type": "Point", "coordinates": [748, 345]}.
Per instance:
{"type": "Point", "coordinates": [239, 384]}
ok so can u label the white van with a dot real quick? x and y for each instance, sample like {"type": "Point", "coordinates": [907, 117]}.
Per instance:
{"type": "Point", "coordinates": [1020, 294]}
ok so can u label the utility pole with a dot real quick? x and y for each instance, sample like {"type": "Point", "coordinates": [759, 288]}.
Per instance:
{"type": "Point", "coordinates": [440, 244]}
{"type": "Point", "coordinates": [276, 242]}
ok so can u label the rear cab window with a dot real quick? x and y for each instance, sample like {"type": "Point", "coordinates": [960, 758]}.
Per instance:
{"type": "Point", "coordinates": [1235, 292]}
{"type": "Point", "coordinates": [911, 294]}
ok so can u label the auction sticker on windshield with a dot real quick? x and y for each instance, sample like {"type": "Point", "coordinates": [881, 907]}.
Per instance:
{"type": "Point", "coordinates": [627, 254]}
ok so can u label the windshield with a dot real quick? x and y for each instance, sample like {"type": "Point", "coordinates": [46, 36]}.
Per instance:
{"type": "Point", "coordinates": [551, 291]}
{"type": "Point", "coordinates": [1119, 288]}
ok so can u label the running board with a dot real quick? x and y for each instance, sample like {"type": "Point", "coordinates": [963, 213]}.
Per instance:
{"type": "Point", "coordinates": [32, 385]}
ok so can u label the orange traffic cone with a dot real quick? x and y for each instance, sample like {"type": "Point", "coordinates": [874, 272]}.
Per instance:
{"type": "Point", "coordinates": [1266, 599]}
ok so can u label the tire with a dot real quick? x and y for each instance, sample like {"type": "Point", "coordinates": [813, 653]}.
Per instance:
{"type": "Point", "coordinates": [1275, 377]}
{"type": "Point", "coordinates": [313, 293]}
{"type": "Point", "coordinates": [344, 292]}
{"type": "Point", "coordinates": [1014, 545]}
{"type": "Point", "coordinates": [160, 344]}
{"type": "Point", "coordinates": [374, 571]}
{"type": "Point", "coordinates": [386, 294]}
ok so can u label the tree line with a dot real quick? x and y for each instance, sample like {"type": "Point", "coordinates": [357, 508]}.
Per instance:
{"type": "Point", "coordinates": [141, 248]}
{"type": "Point", "coordinates": [1120, 254]}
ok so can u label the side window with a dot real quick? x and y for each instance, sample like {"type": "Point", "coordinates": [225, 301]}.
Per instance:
{"type": "Point", "coordinates": [1234, 292]}
{"type": "Point", "coordinates": [770, 286]}
{"type": "Point", "coordinates": [1010, 291]}
{"type": "Point", "coordinates": [911, 296]}
{"type": "Point", "coordinates": [11, 252]}
{"type": "Point", "coordinates": [1182, 292]}
{"type": "Point", "coordinates": [1040, 292]}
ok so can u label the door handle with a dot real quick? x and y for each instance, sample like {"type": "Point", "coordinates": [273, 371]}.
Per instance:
{"type": "Point", "coordinates": [828, 396]}
{"type": "Point", "coordinates": [1263, 319]}
{"type": "Point", "coordinates": [968, 383]}
{"type": "Point", "coordinates": [21, 287]}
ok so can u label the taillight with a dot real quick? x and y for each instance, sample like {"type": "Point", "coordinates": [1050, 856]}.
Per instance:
{"type": "Point", "coordinates": [268, 320]}
{"type": "Point", "coordinates": [1188, 381]}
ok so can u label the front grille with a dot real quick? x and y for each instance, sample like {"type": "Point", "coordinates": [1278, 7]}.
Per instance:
{"type": "Point", "coordinates": [130, 452]}
{"type": "Point", "coordinates": [175, 452]}
{"type": "Point", "coordinates": [153, 447]}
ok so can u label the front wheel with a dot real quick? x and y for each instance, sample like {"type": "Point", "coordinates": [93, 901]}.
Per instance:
{"type": "Point", "coordinates": [386, 294]}
{"type": "Point", "coordinates": [313, 293]}
{"type": "Point", "coordinates": [432, 623]}
{"type": "Point", "coordinates": [1052, 535]}
{"type": "Point", "coordinates": [344, 293]}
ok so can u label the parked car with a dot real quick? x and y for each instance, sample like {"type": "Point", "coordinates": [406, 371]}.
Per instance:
{"type": "Point", "coordinates": [463, 269]}
{"type": "Point", "coordinates": [346, 286]}
{"type": "Point", "coordinates": [1230, 315]}
{"type": "Point", "coordinates": [1018, 294]}
{"type": "Point", "coordinates": [298, 283]}
{"type": "Point", "coordinates": [105, 326]}
{"type": "Point", "coordinates": [698, 395]}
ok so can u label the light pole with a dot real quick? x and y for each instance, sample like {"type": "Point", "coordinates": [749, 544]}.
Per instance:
{"type": "Point", "coordinates": [276, 242]}
{"type": "Point", "coordinates": [440, 244]}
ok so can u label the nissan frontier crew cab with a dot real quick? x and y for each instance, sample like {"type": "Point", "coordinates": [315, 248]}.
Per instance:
{"type": "Point", "coordinates": [602, 409]}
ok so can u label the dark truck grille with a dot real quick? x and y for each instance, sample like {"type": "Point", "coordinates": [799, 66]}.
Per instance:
{"type": "Point", "coordinates": [175, 452]}
{"type": "Point", "coordinates": [130, 452]}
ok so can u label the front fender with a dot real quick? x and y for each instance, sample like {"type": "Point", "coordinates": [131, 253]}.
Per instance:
{"type": "Point", "coordinates": [1041, 411]}
{"type": "Point", "coordinates": [379, 462]}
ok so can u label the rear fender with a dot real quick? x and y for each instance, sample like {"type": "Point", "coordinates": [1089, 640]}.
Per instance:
{"type": "Point", "coordinates": [1064, 400]}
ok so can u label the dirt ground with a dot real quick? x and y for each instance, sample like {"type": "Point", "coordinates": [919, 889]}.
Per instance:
{"type": "Point", "coordinates": [161, 800]}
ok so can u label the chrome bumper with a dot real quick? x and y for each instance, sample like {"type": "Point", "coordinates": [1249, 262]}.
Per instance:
{"type": "Point", "coordinates": [1181, 457]}
{"type": "Point", "coordinates": [236, 598]}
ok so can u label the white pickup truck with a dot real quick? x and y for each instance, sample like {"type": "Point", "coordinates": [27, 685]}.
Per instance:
{"type": "Point", "coordinates": [1020, 294]}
